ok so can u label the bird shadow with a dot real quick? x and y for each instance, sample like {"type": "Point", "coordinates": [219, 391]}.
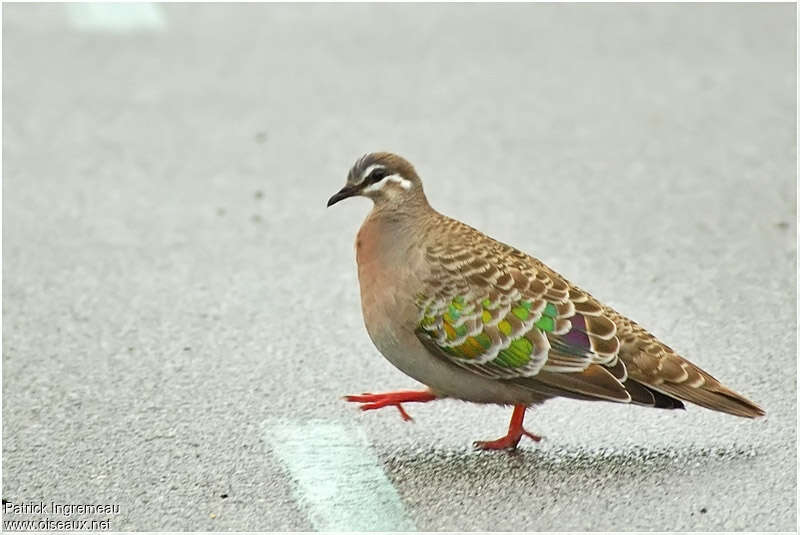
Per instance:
{"type": "Point", "coordinates": [560, 462]}
{"type": "Point", "coordinates": [543, 481]}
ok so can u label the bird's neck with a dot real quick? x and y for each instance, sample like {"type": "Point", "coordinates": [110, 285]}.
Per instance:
{"type": "Point", "coordinates": [401, 205]}
{"type": "Point", "coordinates": [389, 233]}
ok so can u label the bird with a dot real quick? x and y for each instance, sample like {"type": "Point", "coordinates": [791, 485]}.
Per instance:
{"type": "Point", "coordinates": [475, 319]}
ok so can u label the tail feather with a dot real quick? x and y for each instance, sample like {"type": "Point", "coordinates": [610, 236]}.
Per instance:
{"type": "Point", "coordinates": [657, 367]}
{"type": "Point", "coordinates": [676, 377]}
{"type": "Point", "coordinates": [643, 395]}
{"type": "Point", "coordinates": [715, 397]}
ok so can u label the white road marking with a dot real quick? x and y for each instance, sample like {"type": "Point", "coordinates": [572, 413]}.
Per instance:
{"type": "Point", "coordinates": [116, 17]}
{"type": "Point", "coordinates": [337, 476]}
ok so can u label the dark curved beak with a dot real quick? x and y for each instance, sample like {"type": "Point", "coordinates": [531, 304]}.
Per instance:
{"type": "Point", "coordinates": [345, 192]}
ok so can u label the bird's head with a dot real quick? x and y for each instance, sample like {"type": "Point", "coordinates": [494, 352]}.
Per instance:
{"type": "Point", "coordinates": [385, 178]}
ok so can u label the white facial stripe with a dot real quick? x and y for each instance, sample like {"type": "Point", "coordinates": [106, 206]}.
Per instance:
{"type": "Point", "coordinates": [405, 184]}
{"type": "Point", "coordinates": [369, 170]}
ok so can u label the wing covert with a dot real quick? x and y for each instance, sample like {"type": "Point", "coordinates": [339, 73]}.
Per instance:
{"type": "Point", "coordinates": [496, 311]}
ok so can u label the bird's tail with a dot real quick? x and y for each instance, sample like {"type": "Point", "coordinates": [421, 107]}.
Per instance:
{"type": "Point", "coordinates": [677, 377]}
{"type": "Point", "coordinates": [713, 395]}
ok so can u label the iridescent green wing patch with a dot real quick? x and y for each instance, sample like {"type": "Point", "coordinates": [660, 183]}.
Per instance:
{"type": "Point", "coordinates": [498, 312]}
{"type": "Point", "coordinates": [500, 339]}
{"type": "Point", "coordinates": [548, 320]}
{"type": "Point", "coordinates": [516, 355]}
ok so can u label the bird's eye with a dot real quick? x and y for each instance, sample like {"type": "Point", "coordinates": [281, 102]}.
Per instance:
{"type": "Point", "coordinates": [377, 175]}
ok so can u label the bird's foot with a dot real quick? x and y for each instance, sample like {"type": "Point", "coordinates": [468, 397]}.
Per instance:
{"type": "Point", "coordinates": [391, 399]}
{"type": "Point", "coordinates": [512, 438]}
{"type": "Point", "coordinates": [508, 442]}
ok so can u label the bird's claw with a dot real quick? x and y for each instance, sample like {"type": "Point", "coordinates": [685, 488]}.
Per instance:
{"type": "Point", "coordinates": [508, 442]}
{"type": "Point", "coordinates": [378, 401]}
{"type": "Point", "coordinates": [390, 399]}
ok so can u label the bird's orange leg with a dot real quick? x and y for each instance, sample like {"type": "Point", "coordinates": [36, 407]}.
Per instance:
{"type": "Point", "coordinates": [515, 432]}
{"type": "Point", "coordinates": [389, 399]}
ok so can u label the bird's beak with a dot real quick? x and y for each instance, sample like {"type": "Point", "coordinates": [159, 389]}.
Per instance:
{"type": "Point", "coordinates": [345, 192]}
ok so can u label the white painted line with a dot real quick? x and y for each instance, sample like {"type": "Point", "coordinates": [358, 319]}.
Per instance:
{"type": "Point", "coordinates": [337, 476]}
{"type": "Point", "coordinates": [116, 17]}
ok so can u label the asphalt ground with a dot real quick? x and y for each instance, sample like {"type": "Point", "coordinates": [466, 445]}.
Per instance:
{"type": "Point", "coordinates": [181, 312]}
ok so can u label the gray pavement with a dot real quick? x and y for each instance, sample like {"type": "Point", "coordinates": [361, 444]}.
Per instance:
{"type": "Point", "coordinates": [172, 281]}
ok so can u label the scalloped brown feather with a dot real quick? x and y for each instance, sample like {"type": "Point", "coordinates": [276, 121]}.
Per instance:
{"type": "Point", "coordinates": [628, 364]}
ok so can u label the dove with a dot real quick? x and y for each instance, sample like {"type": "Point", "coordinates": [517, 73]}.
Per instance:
{"type": "Point", "coordinates": [477, 320]}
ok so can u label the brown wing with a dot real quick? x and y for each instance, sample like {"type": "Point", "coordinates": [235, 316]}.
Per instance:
{"type": "Point", "coordinates": [497, 312]}
{"type": "Point", "coordinates": [493, 309]}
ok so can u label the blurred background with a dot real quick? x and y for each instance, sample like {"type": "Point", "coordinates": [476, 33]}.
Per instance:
{"type": "Point", "coordinates": [181, 312]}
